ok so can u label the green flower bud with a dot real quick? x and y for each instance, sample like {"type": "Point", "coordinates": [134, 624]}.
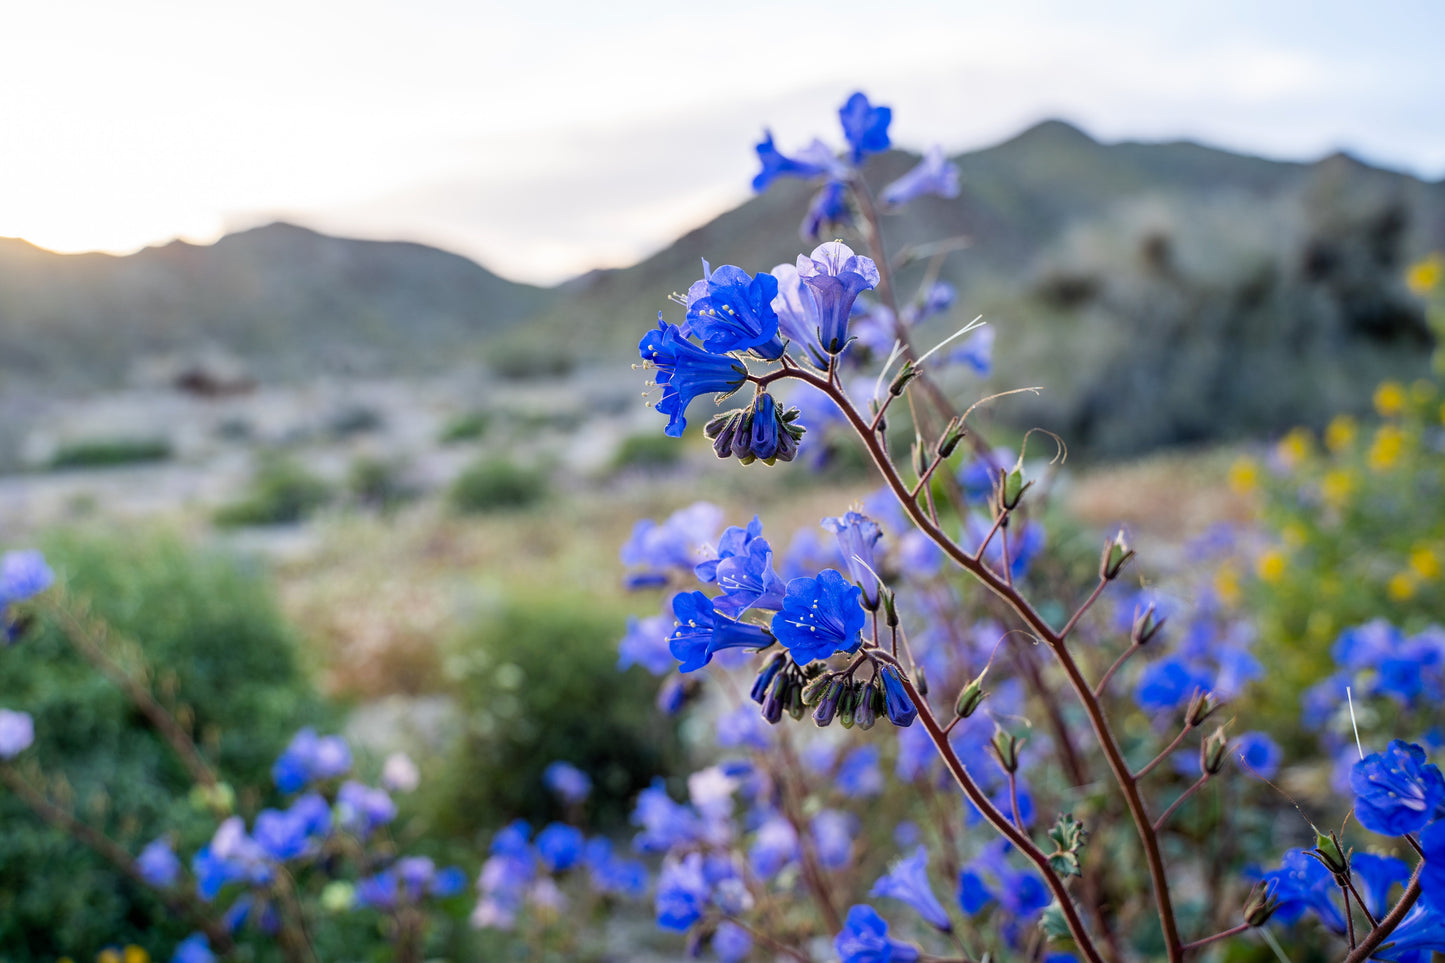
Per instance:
{"type": "Point", "coordinates": [970, 698]}
{"type": "Point", "coordinates": [1116, 555]}
{"type": "Point", "coordinates": [1213, 751]}
{"type": "Point", "coordinates": [1146, 626]}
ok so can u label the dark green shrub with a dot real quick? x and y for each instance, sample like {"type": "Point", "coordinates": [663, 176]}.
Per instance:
{"type": "Point", "coordinates": [213, 636]}
{"type": "Point", "coordinates": [377, 483]}
{"type": "Point", "coordinates": [109, 452]}
{"type": "Point", "coordinates": [648, 450]}
{"type": "Point", "coordinates": [468, 426]}
{"type": "Point", "coordinates": [537, 682]}
{"type": "Point", "coordinates": [282, 492]}
{"type": "Point", "coordinates": [497, 484]}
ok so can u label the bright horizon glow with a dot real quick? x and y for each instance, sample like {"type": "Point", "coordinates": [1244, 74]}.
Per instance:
{"type": "Point", "coordinates": [547, 140]}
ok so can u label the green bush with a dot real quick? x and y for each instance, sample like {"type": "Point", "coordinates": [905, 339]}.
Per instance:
{"type": "Point", "coordinates": [537, 682]}
{"type": "Point", "coordinates": [650, 449]}
{"type": "Point", "coordinates": [468, 426]}
{"type": "Point", "coordinates": [377, 483]}
{"type": "Point", "coordinates": [110, 452]}
{"type": "Point", "coordinates": [497, 484]}
{"type": "Point", "coordinates": [282, 492]}
{"type": "Point", "coordinates": [212, 635]}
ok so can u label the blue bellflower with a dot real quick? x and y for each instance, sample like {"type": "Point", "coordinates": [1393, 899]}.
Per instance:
{"type": "Point", "coordinates": [731, 942]}
{"type": "Point", "coordinates": [195, 948]}
{"type": "Point", "coordinates": [736, 313]}
{"type": "Point", "coordinates": [733, 541]}
{"type": "Point", "coordinates": [820, 616]}
{"type": "Point", "coordinates": [797, 310]}
{"type": "Point", "coordinates": [158, 865]}
{"type": "Point", "coordinates": [750, 581]}
{"type": "Point", "coordinates": [901, 710]}
{"type": "Point", "coordinates": [571, 784]}
{"type": "Point", "coordinates": [858, 537]}
{"type": "Point", "coordinates": [812, 161]}
{"type": "Point", "coordinates": [865, 940]}
{"type": "Point", "coordinates": [17, 732]}
{"type": "Point", "coordinates": [1303, 884]}
{"type": "Point", "coordinates": [907, 880]}
{"type": "Point", "coordinates": [1396, 791]}
{"type": "Point", "coordinates": [685, 371]}
{"type": "Point", "coordinates": [833, 833]}
{"type": "Point", "coordinates": [827, 212]}
{"type": "Point", "coordinates": [836, 276]}
{"type": "Point", "coordinates": [560, 846]}
{"type": "Point", "coordinates": [935, 174]}
{"type": "Point", "coordinates": [682, 893]}
{"type": "Point", "coordinates": [864, 126]}
{"type": "Point", "coordinates": [674, 546]}
{"type": "Point", "coordinates": [702, 632]}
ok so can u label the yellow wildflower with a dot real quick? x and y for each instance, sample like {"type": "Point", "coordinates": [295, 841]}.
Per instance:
{"type": "Point", "coordinates": [136, 954]}
{"type": "Point", "coordinates": [1425, 563]}
{"type": "Point", "coordinates": [1270, 566]}
{"type": "Point", "coordinates": [1226, 585]}
{"type": "Point", "coordinates": [1337, 487]}
{"type": "Point", "coordinates": [108, 955]}
{"type": "Point", "coordinates": [1243, 476]}
{"type": "Point", "coordinates": [1388, 447]}
{"type": "Point", "coordinates": [1294, 447]}
{"type": "Point", "coordinates": [1423, 276]}
{"type": "Point", "coordinates": [1401, 586]}
{"type": "Point", "coordinates": [1390, 399]}
{"type": "Point", "coordinates": [1340, 433]}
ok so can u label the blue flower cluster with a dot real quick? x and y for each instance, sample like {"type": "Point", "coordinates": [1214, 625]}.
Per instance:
{"type": "Point", "coordinates": [24, 574]}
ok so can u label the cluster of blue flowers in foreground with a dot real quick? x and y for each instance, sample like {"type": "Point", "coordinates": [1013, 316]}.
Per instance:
{"type": "Point", "coordinates": [911, 608]}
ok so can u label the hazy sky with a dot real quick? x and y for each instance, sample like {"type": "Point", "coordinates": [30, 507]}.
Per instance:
{"type": "Point", "coordinates": [548, 137]}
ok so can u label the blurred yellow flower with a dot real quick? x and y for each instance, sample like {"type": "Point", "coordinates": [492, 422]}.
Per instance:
{"type": "Point", "coordinates": [108, 955]}
{"type": "Point", "coordinates": [136, 954]}
{"type": "Point", "coordinates": [1337, 487]}
{"type": "Point", "coordinates": [1423, 276]}
{"type": "Point", "coordinates": [1340, 433]}
{"type": "Point", "coordinates": [1388, 446]}
{"type": "Point", "coordinates": [1243, 476]}
{"type": "Point", "coordinates": [1294, 447]}
{"type": "Point", "coordinates": [1270, 566]}
{"type": "Point", "coordinates": [1401, 586]}
{"type": "Point", "coordinates": [1390, 398]}
{"type": "Point", "coordinates": [1226, 585]}
{"type": "Point", "coordinates": [1425, 563]}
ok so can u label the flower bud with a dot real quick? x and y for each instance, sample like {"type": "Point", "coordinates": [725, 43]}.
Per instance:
{"type": "Point", "coordinates": [1202, 705]}
{"type": "Point", "coordinates": [867, 712]}
{"type": "Point", "coordinates": [1260, 905]}
{"type": "Point", "coordinates": [848, 705]}
{"type": "Point", "coordinates": [1327, 850]}
{"type": "Point", "coordinates": [776, 700]}
{"type": "Point", "coordinates": [1011, 487]}
{"type": "Point", "coordinates": [920, 457]}
{"type": "Point", "coordinates": [890, 610]}
{"type": "Point", "coordinates": [953, 433]}
{"type": "Point", "coordinates": [1006, 746]}
{"type": "Point", "coordinates": [900, 381]}
{"type": "Point", "coordinates": [1213, 751]}
{"type": "Point", "coordinates": [828, 705]}
{"type": "Point", "coordinates": [794, 700]}
{"type": "Point", "coordinates": [1116, 555]}
{"type": "Point", "coordinates": [814, 691]}
{"type": "Point", "coordinates": [1146, 626]}
{"type": "Point", "coordinates": [970, 698]}
{"type": "Point", "coordinates": [920, 680]}
{"type": "Point", "coordinates": [766, 675]}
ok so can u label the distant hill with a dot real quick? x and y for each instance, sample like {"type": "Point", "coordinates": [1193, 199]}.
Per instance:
{"type": "Point", "coordinates": [1161, 293]}
{"type": "Point", "coordinates": [285, 300]}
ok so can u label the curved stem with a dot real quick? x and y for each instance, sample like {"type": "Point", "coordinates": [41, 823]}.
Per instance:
{"type": "Point", "coordinates": [1164, 754]}
{"type": "Point", "coordinates": [1093, 597]}
{"type": "Point", "coordinates": [990, 812]}
{"type": "Point", "coordinates": [1103, 683]}
{"type": "Point", "coordinates": [1009, 595]}
{"type": "Point", "coordinates": [1380, 933]}
{"type": "Point", "coordinates": [1232, 931]}
{"type": "Point", "coordinates": [1164, 817]}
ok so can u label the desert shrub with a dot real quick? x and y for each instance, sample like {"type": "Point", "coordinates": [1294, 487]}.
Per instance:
{"type": "Point", "coordinates": [353, 420]}
{"type": "Point", "coordinates": [647, 450]}
{"type": "Point", "coordinates": [281, 492]}
{"type": "Point", "coordinates": [520, 360]}
{"type": "Point", "coordinates": [220, 651]}
{"type": "Point", "coordinates": [468, 426]}
{"type": "Point", "coordinates": [497, 484]}
{"type": "Point", "coordinates": [110, 452]}
{"type": "Point", "coordinates": [378, 483]}
{"type": "Point", "coordinates": [537, 682]}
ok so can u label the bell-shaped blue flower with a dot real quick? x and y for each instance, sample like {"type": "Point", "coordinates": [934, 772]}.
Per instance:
{"type": "Point", "coordinates": [1396, 791]}
{"type": "Point", "coordinates": [749, 581]}
{"type": "Point", "coordinates": [820, 616]}
{"type": "Point", "coordinates": [560, 846]}
{"type": "Point", "coordinates": [685, 371]}
{"type": "Point", "coordinates": [836, 276]}
{"type": "Point", "coordinates": [733, 541]}
{"type": "Point", "coordinates": [935, 174]}
{"type": "Point", "coordinates": [865, 940]}
{"type": "Point", "coordinates": [973, 891]}
{"type": "Point", "coordinates": [571, 784]}
{"type": "Point", "coordinates": [865, 126]}
{"type": "Point", "coordinates": [810, 162]}
{"type": "Point", "coordinates": [858, 537]}
{"type": "Point", "coordinates": [901, 710]}
{"type": "Point", "coordinates": [731, 942]}
{"type": "Point", "coordinates": [23, 575]}
{"type": "Point", "coordinates": [1302, 883]}
{"type": "Point", "coordinates": [682, 892]}
{"type": "Point", "coordinates": [17, 732]}
{"type": "Point", "coordinates": [736, 313]}
{"type": "Point", "coordinates": [833, 833]}
{"type": "Point", "coordinates": [702, 632]}
{"type": "Point", "coordinates": [158, 864]}
{"type": "Point", "coordinates": [908, 880]}
{"type": "Point", "coordinates": [195, 948]}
